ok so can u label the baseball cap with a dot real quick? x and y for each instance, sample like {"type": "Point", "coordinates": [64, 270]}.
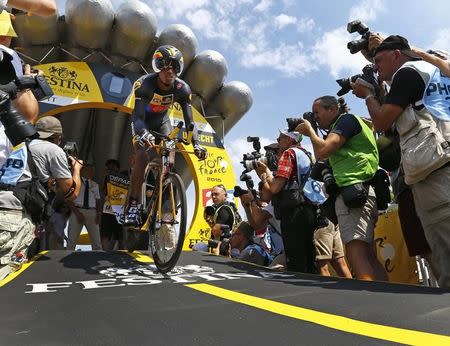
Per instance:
{"type": "Point", "coordinates": [273, 146]}
{"type": "Point", "coordinates": [48, 126]}
{"type": "Point", "coordinates": [6, 28]}
{"type": "Point", "coordinates": [292, 134]}
{"type": "Point", "coordinates": [397, 42]}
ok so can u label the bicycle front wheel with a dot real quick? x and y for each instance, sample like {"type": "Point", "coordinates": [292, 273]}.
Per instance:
{"type": "Point", "coordinates": [168, 228]}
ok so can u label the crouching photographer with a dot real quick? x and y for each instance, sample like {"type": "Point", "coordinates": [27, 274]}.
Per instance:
{"type": "Point", "coordinates": [243, 247]}
{"type": "Point", "coordinates": [34, 160]}
{"type": "Point", "coordinates": [352, 152]}
{"type": "Point", "coordinates": [297, 216]}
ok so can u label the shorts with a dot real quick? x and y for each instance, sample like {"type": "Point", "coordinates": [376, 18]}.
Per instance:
{"type": "Point", "coordinates": [110, 228]}
{"type": "Point", "coordinates": [357, 223]}
{"type": "Point", "coordinates": [328, 243]}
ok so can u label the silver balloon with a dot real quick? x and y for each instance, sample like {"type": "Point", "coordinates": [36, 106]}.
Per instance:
{"type": "Point", "coordinates": [134, 30]}
{"type": "Point", "coordinates": [182, 37]}
{"type": "Point", "coordinates": [206, 74]}
{"type": "Point", "coordinates": [89, 22]}
{"type": "Point", "coordinates": [229, 106]}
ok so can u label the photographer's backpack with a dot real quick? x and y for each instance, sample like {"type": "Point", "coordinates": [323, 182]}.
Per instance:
{"type": "Point", "coordinates": [311, 189]}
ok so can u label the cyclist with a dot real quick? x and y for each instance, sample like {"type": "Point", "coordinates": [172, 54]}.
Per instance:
{"type": "Point", "coordinates": [154, 95]}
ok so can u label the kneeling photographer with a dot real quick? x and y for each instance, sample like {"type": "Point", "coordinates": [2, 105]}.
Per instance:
{"type": "Point", "coordinates": [34, 160]}
{"type": "Point", "coordinates": [297, 216]}
{"type": "Point", "coordinates": [352, 152]}
{"type": "Point", "coordinates": [243, 247]}
{"type": "Point", "coordinates": [221, 217]}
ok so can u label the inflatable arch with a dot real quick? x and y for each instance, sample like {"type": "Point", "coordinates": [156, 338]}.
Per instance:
{"type": "Point", "coordinates": [92, 55]}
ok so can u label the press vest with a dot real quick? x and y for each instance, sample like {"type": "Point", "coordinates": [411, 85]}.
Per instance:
{"type": "Point", "coordinates": [357, 160]}
{"type": "Point", "coordinates": [424, 138]}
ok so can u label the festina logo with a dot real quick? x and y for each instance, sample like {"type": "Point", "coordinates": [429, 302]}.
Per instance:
{"type": "Point", "coordinates": [65, 78]}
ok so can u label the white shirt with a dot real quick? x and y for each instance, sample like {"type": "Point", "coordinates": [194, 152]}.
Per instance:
{"type": "Point", "coordinates": [94, 194]}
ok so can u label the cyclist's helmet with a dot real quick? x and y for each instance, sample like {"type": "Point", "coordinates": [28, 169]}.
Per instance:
{"type": "Point", "coordinates": [166, 56]}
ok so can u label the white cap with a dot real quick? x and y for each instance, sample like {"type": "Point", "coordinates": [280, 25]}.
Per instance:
{"type": "Point", "coordinates": [292, 134]}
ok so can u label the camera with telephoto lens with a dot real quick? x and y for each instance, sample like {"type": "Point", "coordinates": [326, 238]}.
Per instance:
{"type": "Point", "coordinates": [323, 172]}
{"type": "Point", "coordinates": [17, 128]}
{"type": "Point", "coordinates": [363, 43]}
{"type": "Point", "coordinates": [368, 75]}
{"type": "Point", "coordinates": [250, 160]}
{"type": "Point", "coordinates": [225, 235]}
{"type": "Point", "coordinates": [294, 122]}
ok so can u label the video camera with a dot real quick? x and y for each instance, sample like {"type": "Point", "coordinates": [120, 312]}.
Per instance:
{"type": "Point", "coordinates": [363, 43]}
{"type": "Point", "coordinates": [368, 75]}
{"type": "Point", "coordinates": [17, 129]}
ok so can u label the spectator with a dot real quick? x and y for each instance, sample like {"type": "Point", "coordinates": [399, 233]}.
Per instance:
{"type": "Point", "coordinates": [18, 189]}
{"type": "Point", "coordinates": [243, 247]}
{"type": "Point", "coordinates": [86, 211]}
{"type": "Point", "coordinates": [424, 138]}
{"type": "Point", "coordinates": [298, 219]}
{"type": "Point", "coordinates": [352, 152]}
{"type": "Point", "coordinates": [110, 229]}
{"type": "Point", "coordinates": [56, 225]}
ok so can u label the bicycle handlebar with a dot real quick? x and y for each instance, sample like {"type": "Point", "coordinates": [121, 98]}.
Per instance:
{"type": "Point", "coordinates": [172, 135]}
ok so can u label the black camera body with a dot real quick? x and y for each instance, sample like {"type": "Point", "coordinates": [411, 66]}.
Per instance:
{"type": "Point", "coordinates": [363, 43]}
{"type": "Point", "coordinates": [71, 149]}
{"type": "Point", "coordinates": [322, 171]}
{"type": "Point", "coordinates": [294, 122]}
{"type": "Point", "coordinates": [17, 128]}
{"type": "Point", "coordinates": [368, 75]}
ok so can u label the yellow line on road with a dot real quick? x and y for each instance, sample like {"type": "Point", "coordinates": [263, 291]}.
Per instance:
{"type": "Point", "coordinates": [140, 257]}
{"type": "Point", "coordinates": [24, 266]}
{"type": "Point", "coordinates": [345, 324]}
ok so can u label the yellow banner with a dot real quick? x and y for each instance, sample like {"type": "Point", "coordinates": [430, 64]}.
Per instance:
{"type": "Point", "coordinates": [392, 251]}
{"type": "Point", "coordinates": [72, 83]}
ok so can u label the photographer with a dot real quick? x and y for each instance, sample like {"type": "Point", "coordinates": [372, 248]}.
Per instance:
{"type": "Point", "coordinates": [221, 217]}
{"type": "Point", "coordinates": [11, 67]}
{"type": "Point", "coordinates": [298, 218]}
{"type": "Point", "coordinates": [22, 192]}
{"type": "Point", "coordinates": [243, 247]}
{"type": "Point", "coordinates": [352, 152]}
{"type": "Point", "coordinates": [422, 120]}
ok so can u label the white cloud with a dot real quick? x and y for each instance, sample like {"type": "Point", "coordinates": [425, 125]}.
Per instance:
{"type": "Point", "coordinates": [205, 22]}
{"type": "Point", "coordinates": [265, 83]}
{"type": "Point", "coordinates": [263, 6]}
{"type": "Point", "coordinates": [284, 20]}
{"type": "Point", "coordinates": [331, 51]}
{"type": "Point", "coordinates": [442, 40]}
{"type": "Point", "coordinates": [173, 9]}
{"type": "Point", "coordinates": [367, 10]}
{"type": "Point", "coordinates": [305, 24]}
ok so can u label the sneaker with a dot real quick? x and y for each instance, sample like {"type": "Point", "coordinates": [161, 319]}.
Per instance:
{"type": "Point", "coordinates": [132, 215]}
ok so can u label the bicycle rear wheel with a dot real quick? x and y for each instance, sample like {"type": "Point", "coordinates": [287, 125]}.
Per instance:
{"type": "Point", "coordinates": [167, 231]}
